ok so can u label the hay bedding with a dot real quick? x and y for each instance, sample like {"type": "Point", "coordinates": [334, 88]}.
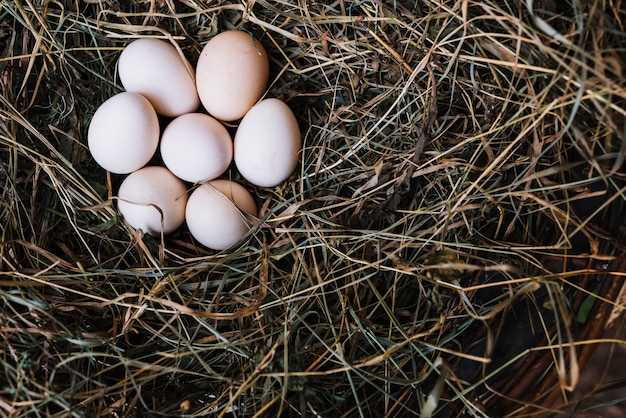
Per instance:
{"type": "Point", "coordinates": [450, 244]}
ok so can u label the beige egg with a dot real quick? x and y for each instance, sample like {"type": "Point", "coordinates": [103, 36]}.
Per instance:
{"type": "Point", "coordinates": [156, 70]}
{"type": "Point", "coordinates": [196, 147]}
{"type": "Point", "coordinates": [237, 194]}
{"type": "Point", "coordinates": [123, 134]}
{"type": "Point", "coordinates": [153, 199]}
{"type": "Point", "coordinates": [213, 219]}
{"type": "Point", "coordinates": [267, 143]}
{"type": "Point", "coordinates": [231, 74]}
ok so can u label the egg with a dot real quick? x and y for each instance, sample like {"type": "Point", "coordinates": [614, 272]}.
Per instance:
{"type": "Point", "coordinates": [156, 70]}
{"type": "Point", "coordinates": [214, 213]}
{"type": "Point", "coordinates": [153, 199]}
{"type": "Point", "coordinates": [231, 74]}
{"type": "Point", "coordinates": [196, 147]}
{"type": "Point", "coordinates": [267, 143]}
{"type": "Point", "coordinates": [123, 134]}
{"type": "Point", "coordinates": [237, 194]}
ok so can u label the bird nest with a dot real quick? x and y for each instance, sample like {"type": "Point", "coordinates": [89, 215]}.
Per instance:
{"type": "Point", "coordinates": [451, 242]}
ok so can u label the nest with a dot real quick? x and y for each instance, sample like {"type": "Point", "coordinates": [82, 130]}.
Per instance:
{"type": "Point", "coordinates": [451, 243]}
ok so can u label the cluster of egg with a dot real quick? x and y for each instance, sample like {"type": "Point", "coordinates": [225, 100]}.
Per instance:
{"type": "Point", "coordinates": [196, 148]}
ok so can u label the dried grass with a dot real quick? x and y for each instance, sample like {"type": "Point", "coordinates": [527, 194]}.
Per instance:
{"type": "Point", "coordinates": [451, 243]}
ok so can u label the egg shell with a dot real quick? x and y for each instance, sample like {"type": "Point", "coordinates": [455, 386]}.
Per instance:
{"type": "Point", "coordinates": [267, 143]}
{"type": "Point", "coordinates": [123, 134]}
{"type": "Point", "coordinates": [212, 217]}
{"type": "Point", "coordinates": [156, 70]}
{"type": "Point", "coordinates": [196, 147]}
{"type": "Point", "coordinates": [143, 191]}
{"type": "Point", "coordinates": [237, 194]}
{"type": "Point", "coordinates": [231, 74]}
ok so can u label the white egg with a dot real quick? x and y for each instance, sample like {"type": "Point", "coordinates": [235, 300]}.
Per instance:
{"type": "Point", "coordinates": [153, 199]}
{"type": "Point", "coordinates": [124, 133]}
{"type": "Point", "coordinates": [156, 70]}
{"type": "Point", "coordinates": [196, 147]}
{"type": "Point", "coordinates": [212, 217]}
{"type": "Point", "coordinates": [267, 143]}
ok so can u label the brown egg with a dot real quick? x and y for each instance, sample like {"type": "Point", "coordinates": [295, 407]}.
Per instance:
{"type": "Point", "coordinates": [231, 74]}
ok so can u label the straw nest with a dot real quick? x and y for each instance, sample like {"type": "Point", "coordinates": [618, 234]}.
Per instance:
{"type": "Point", "coordinates": [451, 242]}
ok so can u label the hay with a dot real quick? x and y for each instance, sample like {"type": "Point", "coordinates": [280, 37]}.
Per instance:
{"type": "Point", "coordinates": [451, 242]}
